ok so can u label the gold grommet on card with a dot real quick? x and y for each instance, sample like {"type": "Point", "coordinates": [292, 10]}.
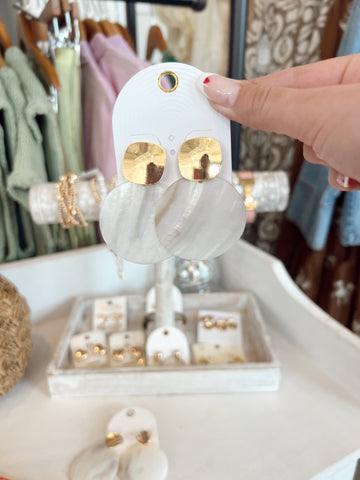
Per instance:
{"type": "Point", "coordinates": [168, 81]}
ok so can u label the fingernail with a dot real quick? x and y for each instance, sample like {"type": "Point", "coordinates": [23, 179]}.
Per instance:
{"type": "Point", "coordinates": [346, 182]}
{"type": "Point", "coordinates": [218, 89]}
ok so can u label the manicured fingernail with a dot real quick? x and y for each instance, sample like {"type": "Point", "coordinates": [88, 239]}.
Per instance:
{"type": "Point", "coordinates": [342, 180]}
{"type": "Point", "coordinates": [346, 182]}
{"type": "Point", "coordinates": [220, 90]}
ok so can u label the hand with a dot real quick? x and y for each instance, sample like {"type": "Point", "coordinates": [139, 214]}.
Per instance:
{"type": "Point", "coordinates": [318, 104]}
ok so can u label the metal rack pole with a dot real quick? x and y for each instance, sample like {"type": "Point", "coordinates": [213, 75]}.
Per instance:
{"type": "Point", "coordinates": [236, 64]}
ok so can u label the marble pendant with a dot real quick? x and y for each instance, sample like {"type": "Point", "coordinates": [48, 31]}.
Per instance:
{"type": "Point", "coordinates": [94, 463]}
{"type": "Point", "coordinates": [143, 462]}
{"type": "Point", "coordinates": [127, 222]}
{"type": "Point", "coordinates": [200, 220]}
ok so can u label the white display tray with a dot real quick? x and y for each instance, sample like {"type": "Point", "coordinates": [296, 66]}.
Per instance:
{"type": "Point", "coordinates": [260, 372]}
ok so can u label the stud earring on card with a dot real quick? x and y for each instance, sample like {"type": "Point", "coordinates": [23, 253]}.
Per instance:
{"type": "Point", "coordinates": [99, 350]}
{"type": "Point", "coordinates": [128, 212]}
{"type": "Point", "coordinates": [113, 439]}
{"type": "Point", "coordinates": [201, 215]}
{"type": "Point", "coordinates": [81, 355]}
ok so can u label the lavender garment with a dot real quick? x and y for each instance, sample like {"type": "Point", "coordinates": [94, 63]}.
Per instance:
{"type": "Point", "coordinates": [116, 60]}
{"type": "Point", "coordinates": [98, 99]}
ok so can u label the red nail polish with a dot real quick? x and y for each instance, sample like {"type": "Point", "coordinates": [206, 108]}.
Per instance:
{"type": "Point", "coordinates": [207, 80]}
{"type": "Point", "coordinates": [353, 183]}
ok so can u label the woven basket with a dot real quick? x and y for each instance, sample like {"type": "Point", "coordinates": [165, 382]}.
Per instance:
{"type": "Point", "coordinates": [15, 335]}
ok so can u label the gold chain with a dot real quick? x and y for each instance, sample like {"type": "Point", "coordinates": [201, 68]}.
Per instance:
{"type": "Point", "coordinates": [94, 190]}
{"type": "Point", "coordinates": [69, 214]}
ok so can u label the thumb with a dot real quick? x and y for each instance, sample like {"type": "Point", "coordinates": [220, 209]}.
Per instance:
{"type": "Point", "coordinates": [287, 111]}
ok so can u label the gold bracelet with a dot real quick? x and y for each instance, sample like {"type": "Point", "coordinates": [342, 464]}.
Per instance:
{"type": "Point", "coordinates": [69, 214]}
{"type": "Point", "coordinates": [94, 190]}
{"type": "Point", "coordinates": [112, 182]}
{"type": "Point", "coordinates": [246, 179]}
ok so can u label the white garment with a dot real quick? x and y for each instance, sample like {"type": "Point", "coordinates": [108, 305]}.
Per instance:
{"type": "Point", "coordinates": [199, 38]}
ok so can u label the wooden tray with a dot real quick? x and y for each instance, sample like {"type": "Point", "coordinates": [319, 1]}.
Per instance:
{"type": "Point", "coordinates": [261, 372]}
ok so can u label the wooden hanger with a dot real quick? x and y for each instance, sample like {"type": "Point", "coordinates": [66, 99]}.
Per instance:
{"type": "Point", "coordinates": [27, 43]}
{"type": "Point", "coordinates": [108, 28]}
{"type": "Point", "coordinates": [91, 27]}
{"type": "Point", "coordinates": [126, 35]}
{"type": "Point", "coordinates": [5, 42]}
{"type": "Point", "coordinates": [155, 41]}
{"type": "Point", "coordinates": [83, 34]}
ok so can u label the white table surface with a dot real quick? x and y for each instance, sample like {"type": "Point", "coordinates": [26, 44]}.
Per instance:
{"type": "Point", "coordinates": [295, 433]}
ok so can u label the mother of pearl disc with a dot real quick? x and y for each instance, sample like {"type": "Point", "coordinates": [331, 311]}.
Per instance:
{"type": "Point", "coordinates": [200, 220]}
{"type": "Point", "coordinates": [127, 223]}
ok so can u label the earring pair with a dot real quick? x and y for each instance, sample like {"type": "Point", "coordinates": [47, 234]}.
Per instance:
{"type": "Point", "coordinates": [94, 351]}
{"type": "Point", "coordinates": [174, 359]}
{"type": "Point", "coordinates": [129, 355]}
{"type": "Point", "coordinates": [159, 220]}
{"type": "Point", "coordinates": [199, 159]}
{"type": "Point", "coordinates": [210, 322]}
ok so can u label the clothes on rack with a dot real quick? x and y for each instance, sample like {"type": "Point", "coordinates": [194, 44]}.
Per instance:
{"type": "Point", "coordinates": [98, 100]}
{"type": "Point", "coordinates": [27, 162]}
{"type": "Point", "coordinates": [42, 120]}
{"type": "Point", "coordinates": [199, 38]}
{"type": "Point", "coordinates": [116, 60]}
{"type": "Point", "coordinates": [107, 64]}
{"type": "Point", "coordinates": [13, 245]}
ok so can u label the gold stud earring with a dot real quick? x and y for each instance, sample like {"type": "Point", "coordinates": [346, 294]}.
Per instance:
{"type": "Point", "coordinates": [119, 354]}
{"type": "Point", "coordinates": [221, 324]}
{"type": "Point", "coordinates": [135, 352]}
{"type": "Point", "coordinates": [231, 322]}
{"type": "Point", "coordinates": [159, 357]}
{"type": "Point", "coordinates": [99, 350]}
{"type": "Point", "coordinates": [112, 439]}
{"type": "Point", "coordinates": [177, 355]}
{"type": "Point", "coordinates": [81, 355]}
{"type": "Point", "coordinates": [143, 436]}
{"type": "Point", "coordinates": [208, 321]}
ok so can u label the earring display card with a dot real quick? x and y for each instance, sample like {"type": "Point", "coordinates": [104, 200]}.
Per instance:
{"type": "Point", "coordinates": [215, 354]}
{"type": "Point", "coordinates": [127, 348]}
{"type": "Point", "coordinates": [252, 367]}
{"type": "Point", "coordinates": [217, 327]}
{"type": "Point", "coordinates": [110, 314]}
{"type": "Point", "coordinates": [89, 349]}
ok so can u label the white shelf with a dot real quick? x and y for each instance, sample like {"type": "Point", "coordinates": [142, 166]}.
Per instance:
{"type": "Point", "coordinates": [308, 429]}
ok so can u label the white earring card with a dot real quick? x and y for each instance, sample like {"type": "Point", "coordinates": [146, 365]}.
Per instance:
{"type": "Point", "coordinates": [250, 367]}
{"type": "Point", "coordinates": [174, 194]}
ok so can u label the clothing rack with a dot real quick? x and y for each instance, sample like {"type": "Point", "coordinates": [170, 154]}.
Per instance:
{"type": "Point", "coordinates": [196, 5]}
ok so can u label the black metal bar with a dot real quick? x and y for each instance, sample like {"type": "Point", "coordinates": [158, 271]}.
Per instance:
{"type": "Point", "coordinates": [236, 64]}
{"type": "Point", "coordinates": [131, 20]}
{"type": "Point", "coordinates": [194, 4]}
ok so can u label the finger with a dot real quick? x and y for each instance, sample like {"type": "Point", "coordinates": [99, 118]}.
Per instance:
{"type": "Point", "coordinates": [312, 157]}
{"type": "Point", "coordinates": [288, 111]}
{"type": "Point", "coordinates": [340, 70]}
{"type": "Point", "coordinates": [341, 182]}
